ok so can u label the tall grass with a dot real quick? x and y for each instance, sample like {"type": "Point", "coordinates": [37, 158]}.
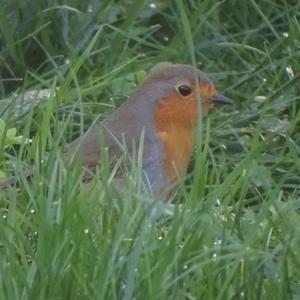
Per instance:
{"type": "Point", "coordinates": [234, 228]}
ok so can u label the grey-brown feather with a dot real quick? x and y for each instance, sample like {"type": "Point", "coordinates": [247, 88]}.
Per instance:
{"type": "Point", "coordinates": [129, 121]}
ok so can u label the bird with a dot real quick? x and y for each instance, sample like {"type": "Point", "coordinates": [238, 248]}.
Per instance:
{"type": "Point", "coordinates": [163, 109]}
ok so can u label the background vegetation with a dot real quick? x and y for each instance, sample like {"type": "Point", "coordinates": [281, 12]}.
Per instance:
{"type": "Point", "coordinates": [234, 233]}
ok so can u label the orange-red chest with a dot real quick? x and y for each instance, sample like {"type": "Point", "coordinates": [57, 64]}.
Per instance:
{"type": "Point", "coordinates": [174, 122]}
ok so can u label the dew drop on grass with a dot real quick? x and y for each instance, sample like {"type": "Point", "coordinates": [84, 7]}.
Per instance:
{"type": "Point", "coordinates": [218, 242]}
{"type": "Point", "coordinates": [289, 71]}
{"type": "Point", "coordinates": [153, 5]}
{"type": "Point", "coordinates": [260, 98]}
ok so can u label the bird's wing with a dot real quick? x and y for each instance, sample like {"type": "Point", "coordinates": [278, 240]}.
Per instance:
{"type": "Point", "coordinates": [87, 149]}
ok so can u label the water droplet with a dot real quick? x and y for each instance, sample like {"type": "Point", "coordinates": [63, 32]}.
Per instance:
{"type": "Point", "coordinates": [90, 9]}
{"type": "Point", "coordinates": [153, 5]}
{"type": "Point", "coordinates": [28, 141]}
{"type": "Point", "coordinates": [166, 38]}
{"type": "Point", "coordinates": [289, 71]}
{"type": "Point", "coordinates": [67, 61]}
{"type": "Point", "coordinates": [260, 98]}
{"type": "Point", "coordinates": [218, 242]}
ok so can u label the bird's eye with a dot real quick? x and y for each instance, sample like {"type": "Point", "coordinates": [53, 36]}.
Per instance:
{"type": "Point", "coordinates": [184, 90]}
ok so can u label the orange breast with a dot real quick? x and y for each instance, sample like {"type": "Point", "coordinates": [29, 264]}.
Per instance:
{"type": "Point", "coordinates": [174, 122]}
{"type": "Point", "coordinates": [177, 143]}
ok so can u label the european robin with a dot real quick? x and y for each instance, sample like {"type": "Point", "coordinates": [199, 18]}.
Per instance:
{"type": "Point", "coordinates": [164, 108]}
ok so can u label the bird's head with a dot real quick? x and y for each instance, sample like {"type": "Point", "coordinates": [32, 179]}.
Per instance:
{"type": "Point", "coordinates": [179, 89]}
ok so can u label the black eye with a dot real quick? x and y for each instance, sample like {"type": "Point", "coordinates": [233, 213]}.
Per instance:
{"type": "Point", "coordinates": [184, 90]}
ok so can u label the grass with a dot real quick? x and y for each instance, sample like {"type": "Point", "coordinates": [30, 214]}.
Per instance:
{"type": "Point", "coordinates": [234, 232]}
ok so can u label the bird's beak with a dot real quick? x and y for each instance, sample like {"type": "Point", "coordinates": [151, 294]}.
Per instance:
{"type": "Point", "coordinates": [220, 99]}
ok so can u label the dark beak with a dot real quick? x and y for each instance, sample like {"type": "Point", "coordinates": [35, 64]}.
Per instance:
{"type": "Point", "coordinates": [220, 99]}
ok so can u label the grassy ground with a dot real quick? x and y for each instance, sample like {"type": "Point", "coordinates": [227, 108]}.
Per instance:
{"type": "Point", "coordinates": [235, 230]}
